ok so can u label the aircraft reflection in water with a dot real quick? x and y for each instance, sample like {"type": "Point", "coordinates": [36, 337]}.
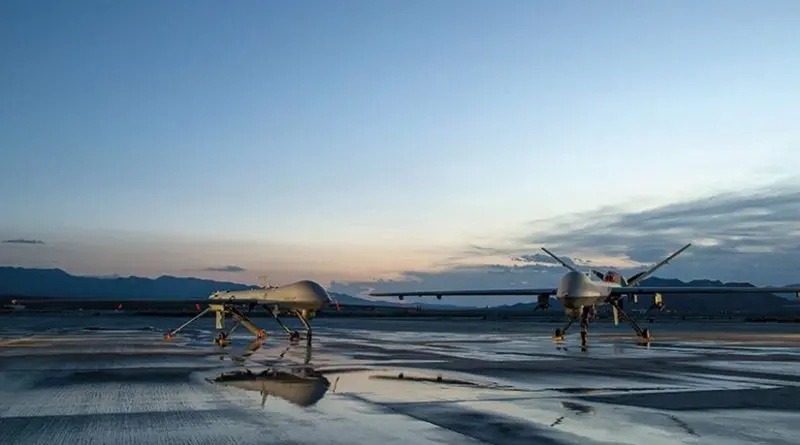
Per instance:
{"type": "Point", "coordinates": [303, 388]}
{"type": "Point", "coordinates": [304, 385]}
{"type": "Point", "coordinates": [300, 385]}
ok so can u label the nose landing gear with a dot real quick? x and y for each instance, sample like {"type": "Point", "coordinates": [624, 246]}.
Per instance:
{"type": "Point", "coordinates": [222, 339]}
{"type": "Point", "coordinates": [644, 335]}
{"type": "Point", "coordinates": [559, 334]}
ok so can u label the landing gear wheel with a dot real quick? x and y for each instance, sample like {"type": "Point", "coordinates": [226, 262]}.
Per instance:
{"type": "Point", "coordinates": [221, 339]}
{"type": "Point", "coordinates": [558, 335]}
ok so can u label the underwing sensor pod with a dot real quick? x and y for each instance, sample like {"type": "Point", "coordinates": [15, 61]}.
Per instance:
{"type": "Point", "coordinates": [582, 292]}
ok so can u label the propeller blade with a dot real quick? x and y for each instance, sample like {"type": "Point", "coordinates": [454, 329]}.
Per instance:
{"type": "Point", "coordinates": [615, 313]}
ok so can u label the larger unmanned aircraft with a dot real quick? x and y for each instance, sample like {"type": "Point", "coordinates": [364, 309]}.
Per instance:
{"type": "Point", "coordinates": [581, 294]}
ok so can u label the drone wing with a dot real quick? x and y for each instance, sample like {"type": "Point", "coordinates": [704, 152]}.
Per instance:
{"type": "Point", "coordinates": [707, 290]}
{"type": "Point", "coordinates": [121, 303]}
{"type": "Point", "coordinates": [467, 293]}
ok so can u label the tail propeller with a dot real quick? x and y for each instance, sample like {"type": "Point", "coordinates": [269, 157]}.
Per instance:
{"type": "Point", "coordinates": [335, 302]}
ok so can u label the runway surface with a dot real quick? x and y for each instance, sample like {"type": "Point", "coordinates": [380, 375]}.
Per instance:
{"type": "Point", "coordinates": [113, 380]}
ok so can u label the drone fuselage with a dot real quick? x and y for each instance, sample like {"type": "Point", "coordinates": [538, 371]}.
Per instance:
{"type": "Point", "coordinates": [302, 295]}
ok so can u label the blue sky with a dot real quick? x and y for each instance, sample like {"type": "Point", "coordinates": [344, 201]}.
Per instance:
{"type": "Point", "coordinates": [351, 140]}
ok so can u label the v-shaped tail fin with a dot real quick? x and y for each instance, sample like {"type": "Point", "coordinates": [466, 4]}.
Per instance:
{"type": "Point", "coordinates": [637, 278]}
{"type": "Point", "coordinates": [553, 256]}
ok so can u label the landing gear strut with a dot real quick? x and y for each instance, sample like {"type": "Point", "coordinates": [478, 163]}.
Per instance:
{"type": "Point", "coordinates": [221, 310]}
{"type": "Point", "coordinates": [171, 334]}
{"type": "Point", "coordinates": [584, 328]}
{"type": "Point", "coordinates": [560, 333]}
{"type": "Point", "coordinates": [222, 339]}
{"type": "Point", "coordinates": [241, 319]}
{"type": "Point", "coordinates": [585, 315]}
{"type": "Point", "coordinates": [294, 336]}
{"type": "Point", "coordinates": [643, 334]}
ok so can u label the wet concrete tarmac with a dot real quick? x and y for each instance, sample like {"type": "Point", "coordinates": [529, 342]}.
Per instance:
{"type": "Point", "coordinates": [113, 380]}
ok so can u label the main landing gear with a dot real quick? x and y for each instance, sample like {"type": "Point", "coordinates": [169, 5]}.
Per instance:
{"type": "Point", "coordinates": [643, 335]}
{"type": "Point", "coordinates": [294, 336]}
{"type": "Point", "coordinates": [222, 338]}
{"type": "Point", "coordinates": [240, 319]}
{"type": "Point", "coordinates": [559, 334]}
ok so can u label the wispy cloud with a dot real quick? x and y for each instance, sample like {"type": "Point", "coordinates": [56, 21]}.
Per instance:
{"type": "Point", "coordinates": [22, 241]}
{"type": "Point", "coordinates": [748, 236]}
{"type": "Point", "coordinates": [727, 223]}
{"type": "Point", "coordinates": [228, 268]}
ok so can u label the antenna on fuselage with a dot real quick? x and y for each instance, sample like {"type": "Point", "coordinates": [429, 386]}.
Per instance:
{"type": "Point", "coordinates": [552, 255]}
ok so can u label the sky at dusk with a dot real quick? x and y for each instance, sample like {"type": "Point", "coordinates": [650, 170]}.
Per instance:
{"type": "Point", "coordinates": [439, 143]}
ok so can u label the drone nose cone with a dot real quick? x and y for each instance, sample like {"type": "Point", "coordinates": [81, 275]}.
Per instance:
{"type": "Point", "coordinates": [313, 289]}
{"type": "Point", "coordinates": [316, 288]}
{"type": "Point", "coordinates": [571, 284]}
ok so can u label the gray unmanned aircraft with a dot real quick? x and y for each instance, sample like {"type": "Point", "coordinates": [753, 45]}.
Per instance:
{"type": "Point", "coordinates": [581, 293]}
{"type": "Point", "coordinates": [301, 299]}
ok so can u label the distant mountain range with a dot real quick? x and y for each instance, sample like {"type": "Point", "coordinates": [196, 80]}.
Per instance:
{"type": "Point", "coordinates": [17, 281]}
{"type": "Point", "coordinates": [20, 281]}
